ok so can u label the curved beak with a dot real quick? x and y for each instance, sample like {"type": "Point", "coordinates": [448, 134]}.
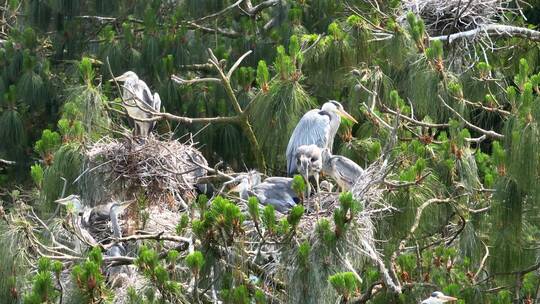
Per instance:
{"type": "Point", "coordinates": [447, 298]}
{"type": "Point", "coordinates": [346, 115]}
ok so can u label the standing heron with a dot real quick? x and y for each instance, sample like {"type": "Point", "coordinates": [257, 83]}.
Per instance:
{"type": "Point", "coordinates": [308, 160]}
{"type": "Point", "coordinates": [309, 163]}
{"type": "Point", "coordinates": [139, 102]}
{"type": "Point", "coordinates": [275, 191]}
{"type": "Point", "coordinates": [343, 170]}
{"type": "Point", "coordinates": [438, 298]}
{"type": "Point", "coordinates": [317, 127]}
{"type": "Point", "coordinates": [117, 249]}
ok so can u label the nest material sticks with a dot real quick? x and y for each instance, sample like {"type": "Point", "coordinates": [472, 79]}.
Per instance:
{"type": "Point", "coordinates": [165, 168]}
{"type": "Point", "coordinates": [444, 17]}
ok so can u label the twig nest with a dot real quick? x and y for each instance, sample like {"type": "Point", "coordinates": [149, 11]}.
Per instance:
{"type": "Point", "coordinates": [443, 17]}
{"type": "Point", "coordinates": [166, 170]}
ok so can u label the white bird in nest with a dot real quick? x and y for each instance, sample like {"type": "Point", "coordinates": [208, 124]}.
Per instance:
{"type": "Point", "coordinates": [139, 102]}
{"type": "Point", "coordinates": [438, 297]}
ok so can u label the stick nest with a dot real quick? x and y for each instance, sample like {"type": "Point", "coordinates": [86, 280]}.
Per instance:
{"type": "Point", "coordinates": [166, 169]}
{"type": "Point", "coordinates": [444, 17]}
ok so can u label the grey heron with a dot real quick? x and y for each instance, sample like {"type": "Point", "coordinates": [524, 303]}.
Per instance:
{"type": "Point", "coordinates": [317, 127]}
{"type": "Point", "coordinates": [275, 191]}
{"type": "Point", "coordinates": [438, 297]}
{"type": "Point", "coordinates": [309, 163]}
{"type": "Point", "coordinates": [78, 218]}
{"type": "Point", "coordinates": [308, 160]}
{"type": "Point", "coordinates": [117, 249]}
{"type": "Point", "coordinates": [343, 170]}
{"type": "Point", "coordinates": [139, 102]}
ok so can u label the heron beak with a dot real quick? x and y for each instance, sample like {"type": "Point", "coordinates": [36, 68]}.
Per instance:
{"type": "Point", "coordinates": [447, 298]}
{"type": "Point", "coordinates": [119, 78]}
{"type": "Point", "coordinates": [236, 189]}
{"type": "Point", "coordinates": [346, 115]}
{"type": "Point", "coordinates": [63, 201]}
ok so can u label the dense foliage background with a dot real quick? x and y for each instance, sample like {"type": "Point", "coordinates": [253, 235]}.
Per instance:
{"type": "Point", "coordinates": [464, 188]}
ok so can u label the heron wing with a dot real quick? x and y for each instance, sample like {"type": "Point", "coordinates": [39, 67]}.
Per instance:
{"type": "Point", "coordinates": [147, 99]}
{"type": "Point", "coordinates": [157, 102]}
{"type": "Point", "coordinates": [312, 129]}
{"type": "Point", "coordinates": [345, 169]}
{"type": "Point", "coordinates": [279, 195]}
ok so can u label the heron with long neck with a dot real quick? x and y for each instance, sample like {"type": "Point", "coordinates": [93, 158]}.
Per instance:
{"type": "Point", "coordinates": [340, 168]}
{"type": "Point", "coordinates": [317, 127]}
{"type": "Point", "coordinates": [139, 102]}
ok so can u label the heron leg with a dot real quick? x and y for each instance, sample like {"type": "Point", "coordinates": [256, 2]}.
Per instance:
{"type": "Point", "coordinates": [308, 197]}
{"type": "Point", "coordinates": [318, 202]}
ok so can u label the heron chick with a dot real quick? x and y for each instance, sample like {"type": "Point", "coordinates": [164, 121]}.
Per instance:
{"type": "Point", "coordinates": [139, 102]}
{"type": "Point", "coordinates": [275, 191]}
{"type": "Point", "coordinates": [343, 170]}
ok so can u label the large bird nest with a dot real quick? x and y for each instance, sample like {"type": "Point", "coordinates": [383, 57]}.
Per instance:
{"type": "Point", "coordinates": [444, 17]}
{"type": "Point", "coordinates": [165, 169]}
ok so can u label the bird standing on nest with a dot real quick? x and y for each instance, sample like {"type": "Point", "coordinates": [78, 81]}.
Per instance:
{"type": "Point", "coordinates": [139, 102]}
{"type": "Point", "coordinates": [317, 127]}
{"type": "Point", "coordinates": [343, 170]}
{"type": "Point", "coordinates": [309, 163]}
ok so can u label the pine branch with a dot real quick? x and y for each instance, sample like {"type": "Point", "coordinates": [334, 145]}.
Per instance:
{"type": "Point", "coordinates": [226, 33]}
{"type": "Point", "coordinates": [221, 12]}
{"type": "Point", "coordinates": [6, 162]}
{"type": "Point", "coordinates": [492, 30]}
{"type": "Point", "coordinates": [251, 10]}
{"type": "Point", "coordinates": [372, 290]}
{"type": "Point", "coordinates": [243, 117]}
{"type": "Point", "coordinates": [490, 134]}
{"type": "Point", "coordinates": [386, 109]}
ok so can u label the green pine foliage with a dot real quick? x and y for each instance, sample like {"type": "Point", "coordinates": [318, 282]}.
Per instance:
{"type": "Point", "coordinates": [459, 205]}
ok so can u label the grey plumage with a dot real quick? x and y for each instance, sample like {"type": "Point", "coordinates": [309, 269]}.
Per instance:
{"type": "Point", "coordinates": [138, 102]}
{"type": "Point", "coordinates": [343, 170]}
{"type": "Point", "coordinates": [308, 160]}
{"type": "Point", "coordinates": [316, 127]}
{"type": "Point", "coordinates": [275, 191]}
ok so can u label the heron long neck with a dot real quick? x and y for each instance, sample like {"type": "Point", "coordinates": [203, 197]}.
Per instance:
{"type": "Point", "coordinates": [334, 126]}
{"type": "Point", "coordinates": [117, 232]}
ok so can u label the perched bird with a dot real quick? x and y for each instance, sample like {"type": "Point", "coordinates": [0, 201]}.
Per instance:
{"type": "Point", "coordinates": [343, 170]}
{"type": "Point", "coordinates": [139, 102]}
{"type": "Point", "coordinates": [316, 127]}
{"type": "Point", "coordinates": [275, 191]}
{"type": "Point", "coordinates": [437, 298]}
{"type": "Point", "coordinates": [76, 218]}
{"type": "Point", "coordinates": [309, 163]}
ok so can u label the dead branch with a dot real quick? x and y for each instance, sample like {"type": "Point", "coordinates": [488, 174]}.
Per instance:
{"type": "Point", "coordinates": [491, 30]}
{"type": "Point", "coordinates": [490, 134]}
{"type": "Point", "coordinates": [6, 162]}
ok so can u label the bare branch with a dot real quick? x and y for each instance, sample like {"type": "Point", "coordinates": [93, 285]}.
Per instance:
{"type": "Point", "coordinates": [237, 63]}
{"type": "Point", "coordinates": [221, 12]}
{"type": "Point", "coordinates": [385, 109]}
{"type": "Point", "coordinates": [6, 162]}
{"type": "Point", "coordinates": [490, 134]}
{"type": "Point", "coordinates": [254, 10]}
{"type": "Point", "coordinates": [492, 30]}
